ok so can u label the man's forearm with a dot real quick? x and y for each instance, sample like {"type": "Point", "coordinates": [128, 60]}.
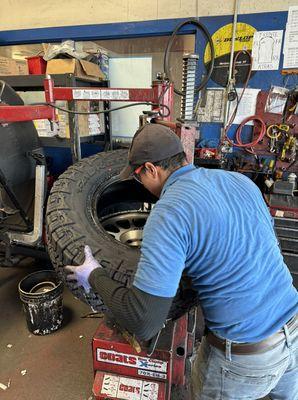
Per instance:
{"type": "Point", "coordinates": [140, 313]}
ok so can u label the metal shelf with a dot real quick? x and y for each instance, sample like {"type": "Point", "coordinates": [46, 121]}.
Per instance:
{"type": "Point", "coordinates": [35, 83]}
{"type": "Point", "coordinates": [65, 142]}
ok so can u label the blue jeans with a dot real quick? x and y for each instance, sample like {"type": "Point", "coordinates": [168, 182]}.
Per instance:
{"type": "Point", "coordinates": [225, 376]}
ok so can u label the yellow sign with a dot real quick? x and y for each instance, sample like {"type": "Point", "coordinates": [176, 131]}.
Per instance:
{"type": "Point", "coordinates": [222, 40]}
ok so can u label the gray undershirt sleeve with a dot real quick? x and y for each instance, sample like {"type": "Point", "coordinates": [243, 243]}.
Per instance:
{"type": "Point", "coordinates": [140, 313]}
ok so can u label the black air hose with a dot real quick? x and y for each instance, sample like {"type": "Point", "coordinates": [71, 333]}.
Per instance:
{"type": "Point", "coordinates": [203, 29]}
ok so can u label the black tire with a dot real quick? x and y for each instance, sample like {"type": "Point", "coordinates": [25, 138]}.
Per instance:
{"type": "Point", "coordinates": [71, 224]}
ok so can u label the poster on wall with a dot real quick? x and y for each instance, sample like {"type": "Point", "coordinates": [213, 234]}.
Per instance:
{"type": "Point", "coordinates": [128, 72]}
{"type": "Point", "coordinates": [246, 107]}
{"type": "Point", "coordinates": [222, 40]}
{"type": "Point", "coordinates": [266, 50]}
{"type": "Point", "coordinates": [291, 39]}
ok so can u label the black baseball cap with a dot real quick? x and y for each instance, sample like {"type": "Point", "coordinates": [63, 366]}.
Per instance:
{"type": "Point", "coordinates": [151, 143]}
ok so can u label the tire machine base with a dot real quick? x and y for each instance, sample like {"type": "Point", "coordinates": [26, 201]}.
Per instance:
{"type": "Point", "coordinates": [151, 373]}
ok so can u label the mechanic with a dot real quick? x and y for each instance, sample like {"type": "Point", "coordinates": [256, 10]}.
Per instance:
{"type": "Point", "coordinates": [213, 226]}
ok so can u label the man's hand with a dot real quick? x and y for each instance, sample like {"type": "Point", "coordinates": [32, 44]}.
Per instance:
{"type": "Point", "coordinates": [81, 273]}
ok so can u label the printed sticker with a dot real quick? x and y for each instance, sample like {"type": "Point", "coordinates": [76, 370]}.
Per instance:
{"type": "Point", "coordinates": [103, 94]}
{"type": "Point", "coordinates": [115, 94]}
{"type": "Point", "coordinates": [279, 213]}
{"type": "Point", "coordinates": [129, 389]}
{"type": "Point", "coordinates": [81, 94]}
{"type": "Point", "coordinates": [145, 363]}
{"type": "Point", "coordinates": [110, 385]}
{"type": "Point", "coordinates": [150, 391]}
{"type": "Point", "coordinates": [152, 374]}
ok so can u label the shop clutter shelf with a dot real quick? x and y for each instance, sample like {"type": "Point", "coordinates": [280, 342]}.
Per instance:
{"type": "Point", "coordinates": [35, 83]}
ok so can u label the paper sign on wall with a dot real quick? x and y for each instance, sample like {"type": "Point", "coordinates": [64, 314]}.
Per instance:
{"type": "Point", "coordinates": [291, 39]}
{"type": "Point", "coordinates": [246, 107]}
{"type": "Point", "coordinates": [266, 50]}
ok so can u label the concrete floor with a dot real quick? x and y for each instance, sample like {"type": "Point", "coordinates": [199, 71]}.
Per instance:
{"type": "Point", "coordinates": [58, 366]}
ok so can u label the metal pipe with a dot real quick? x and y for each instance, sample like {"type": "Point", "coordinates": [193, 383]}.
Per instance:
{"type": "Point", "coordinates": [236, 10]}
{"type": "Point", "coordinates": [230, 78]}
{"type": "Point", "coordinates": [34, 237]}
{"type": "Point", "coordinates": [14, 200]}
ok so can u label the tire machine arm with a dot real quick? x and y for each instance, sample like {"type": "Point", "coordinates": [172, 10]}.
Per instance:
{"type": "Point", "coordinates": [157, 371]}
{"type": "Point", "coordinates": [160, 96]}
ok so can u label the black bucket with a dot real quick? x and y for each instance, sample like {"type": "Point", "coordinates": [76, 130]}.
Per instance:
{"type": "Point", "coordinates": [41, 294]}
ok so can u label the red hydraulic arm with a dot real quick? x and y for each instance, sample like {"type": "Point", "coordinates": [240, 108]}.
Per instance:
{"type": "Point", "coordinates": [161, 94]}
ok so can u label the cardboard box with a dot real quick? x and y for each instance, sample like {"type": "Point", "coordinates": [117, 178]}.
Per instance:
{"type": "Point", "coordinates": [22, 67]}
{"type": "Point", "coordinates": [9, 66]}
{"type": "Point", "coordinates": [80, 68]}
{"type": "Point", "coordinates": [82, 120]}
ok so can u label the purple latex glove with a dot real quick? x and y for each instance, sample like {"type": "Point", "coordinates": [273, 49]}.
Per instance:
{"type": "Point", "coordinates": [81, 273]}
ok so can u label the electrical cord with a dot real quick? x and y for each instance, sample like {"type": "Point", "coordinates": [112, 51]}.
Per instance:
{"type": "Point", "coordinates": [228, 126]}
{"type": "Point", "coordinates": [258, 138]}
{"type": "Point", "coordinates": [162, 95]}
{"type": "Point", "coordinates": [167, 70]}
{"type": "Point", "coordinates": [237, 99]}
{"type": "Point", "coordinates": [238, 143]}
{"type": "Point", "coordinates": [160, 99]}
{"type": "Point", "coordinates": [108, 110]}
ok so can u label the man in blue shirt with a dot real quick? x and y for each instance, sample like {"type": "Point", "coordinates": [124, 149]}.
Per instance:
{"type": "Point", "coordinates": [213, 226]}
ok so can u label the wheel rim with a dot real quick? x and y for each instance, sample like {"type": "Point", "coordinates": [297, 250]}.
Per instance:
{"type": "Point", "coordinates": [126, 227]}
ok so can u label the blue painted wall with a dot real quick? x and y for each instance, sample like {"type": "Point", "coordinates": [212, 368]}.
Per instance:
{"type": "Point", "coordinates": [260, 79]}
{"type": "Point", "coordinates": [93, 32]}
{"type": "Point", "coordinates": [59, 158]}
{"type": "Point", "coordinates": [261, 21]}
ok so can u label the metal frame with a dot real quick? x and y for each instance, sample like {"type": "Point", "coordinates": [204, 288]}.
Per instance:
{"type": "Point", "coordinates": [4, 184]}
{"type": "Point", "coordinates": [36, 83]}
{"type": "Point", "coordinates": [160, 90]}
{"type": "Point", "coordinates": [34, 237]}
{"type": "Point", "coordinates": [21, 113]}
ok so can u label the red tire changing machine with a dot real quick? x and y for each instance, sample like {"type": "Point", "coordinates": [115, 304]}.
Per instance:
{"type": "Point", "coordinates": [161, 369]}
